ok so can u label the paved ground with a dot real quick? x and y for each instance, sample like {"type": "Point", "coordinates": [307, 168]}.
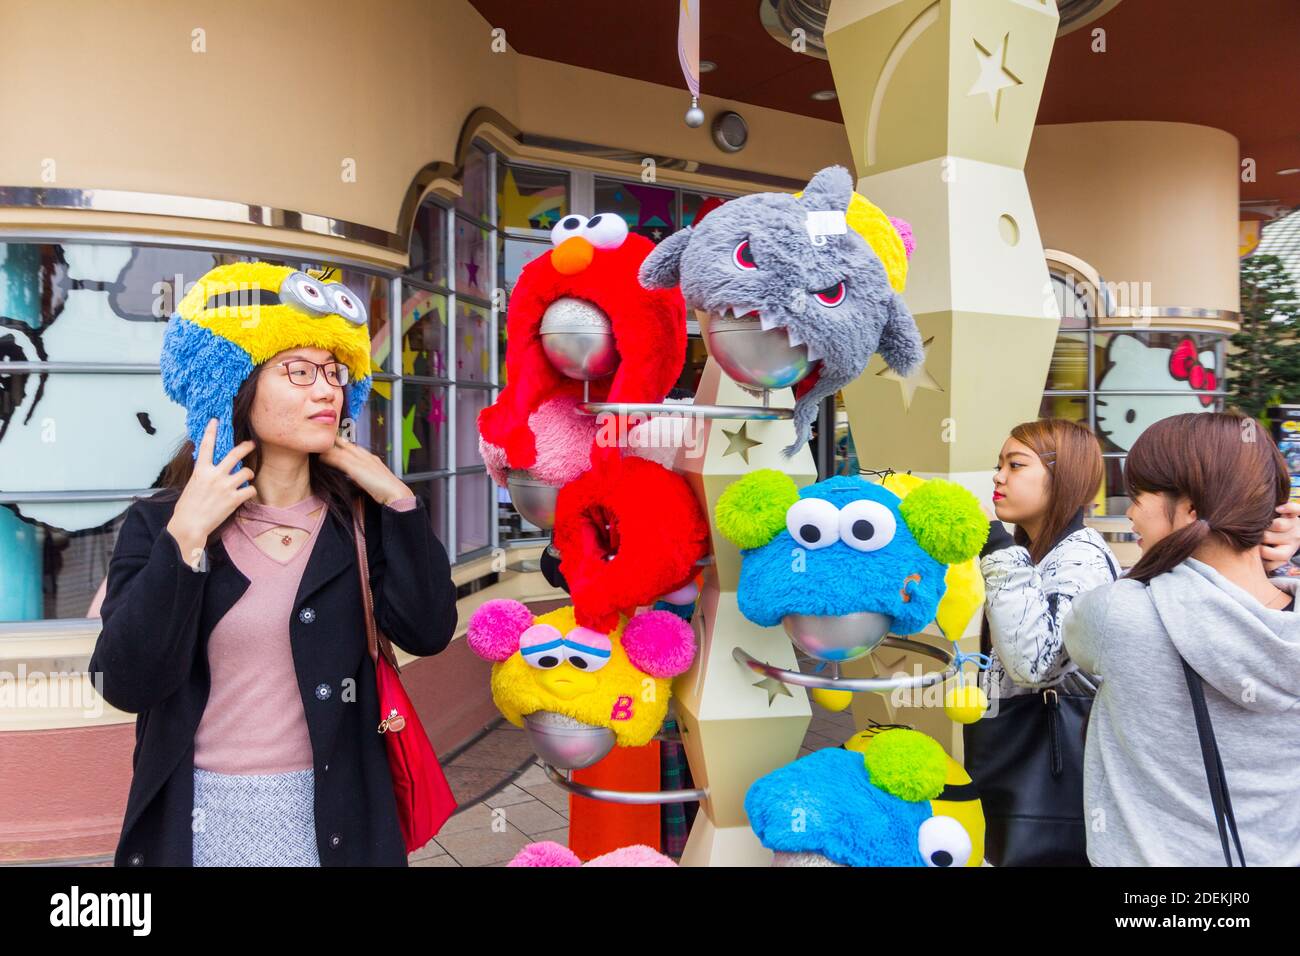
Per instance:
{"type": "Point", "coordinates": [522, 805]}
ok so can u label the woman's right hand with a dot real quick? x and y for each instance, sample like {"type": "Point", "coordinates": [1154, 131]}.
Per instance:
{"type": "Point", "coordinates": [210, 496]}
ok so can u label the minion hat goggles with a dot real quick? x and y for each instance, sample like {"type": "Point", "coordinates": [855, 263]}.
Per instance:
{"type": "Point", "coordinates": [239, 315]}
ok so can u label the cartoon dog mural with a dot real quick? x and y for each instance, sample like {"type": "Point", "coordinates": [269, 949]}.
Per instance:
{"type": "Point", "coordinates": [1132, 365]}
{"type": "Point", "coordinates": [67, 431]}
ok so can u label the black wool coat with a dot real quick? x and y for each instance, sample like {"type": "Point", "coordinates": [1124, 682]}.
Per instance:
{"type": "Point", "coordinates": [152, 659]}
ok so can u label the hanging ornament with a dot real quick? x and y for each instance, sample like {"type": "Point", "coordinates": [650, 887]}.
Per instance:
{"type": "Point", "coordinates": [688, 55]}
{"type": "Point", "coordinates": [695, 115]}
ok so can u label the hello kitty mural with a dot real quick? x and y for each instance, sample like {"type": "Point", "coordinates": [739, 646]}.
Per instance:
{"type": "Point", "coordinates": [70, 431]}
{"type": "Point", "coordinates": [1131, 364]}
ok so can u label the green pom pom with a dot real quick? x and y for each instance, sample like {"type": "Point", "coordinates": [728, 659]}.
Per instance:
{"type": "Point", "coordinates": [907, 764]}
{"type": "Point", "coordinates": [946, 521]}
{"type": "Point", "coordinates": [751, 512]}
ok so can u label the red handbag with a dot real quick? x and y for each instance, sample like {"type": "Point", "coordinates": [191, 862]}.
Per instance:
{"type": "Point", "coordinates": [424, 798]}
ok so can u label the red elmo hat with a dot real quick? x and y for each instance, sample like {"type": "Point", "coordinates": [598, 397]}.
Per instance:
{"type": "Point", "coordinates": [649, 327]}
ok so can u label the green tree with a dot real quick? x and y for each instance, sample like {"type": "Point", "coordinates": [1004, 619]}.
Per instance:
{"type": "Point", "coordinates": [1266, 368]}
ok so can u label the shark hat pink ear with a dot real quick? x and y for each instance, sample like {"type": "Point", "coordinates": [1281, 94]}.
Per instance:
{"type": "Point", "coordinates": [904, 229]}
{"type": "Point", "coordinates": [495, 628]}
{"type": "Point", "coordinates": [659, 643]}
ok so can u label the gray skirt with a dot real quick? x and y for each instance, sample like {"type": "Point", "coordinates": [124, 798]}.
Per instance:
{"type": "Point", "coordinates": [254, 819]}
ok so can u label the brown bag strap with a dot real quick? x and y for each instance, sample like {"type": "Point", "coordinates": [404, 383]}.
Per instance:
{"type": "Point", "coordinates": [375, 638]}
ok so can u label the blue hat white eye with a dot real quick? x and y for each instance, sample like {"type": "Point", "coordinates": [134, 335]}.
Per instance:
{"type": "Point", "coordinates": [606, 230]}
{"type": "Point", "coordinates": [346, 304]}
{"type": "Point", "coordinates": [813, 523]}
{"type": "Point", "coordinates": [866, 525]}
{"type": "Point", "coordinates": [301, 289]}
{"type": "Point", "coordinates": [572, 225]}
{"type": "Point", "coordinates": [942, 841]}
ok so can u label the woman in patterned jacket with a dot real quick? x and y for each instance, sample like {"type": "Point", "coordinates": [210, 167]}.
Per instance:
{"type": "Point", "coordinates": [1049, 472]}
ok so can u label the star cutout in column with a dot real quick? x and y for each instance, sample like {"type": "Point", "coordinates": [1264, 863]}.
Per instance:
{"type": "Point", "coordinates": [739, 442]}
{"type": "Point", "coordinates": [773, 687]}
{"type": "Point", "coordinates": [918, 379]}
{"type": "Point", "coordinates": [994, 76]}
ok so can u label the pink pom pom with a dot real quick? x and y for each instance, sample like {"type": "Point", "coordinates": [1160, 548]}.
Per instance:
{"type": "Point", "coordinates": [545, 853]}
{"type": "Point", "coordinates": [659, 643]}
{"type": "Point", "coordinates": [636, 855]}
{"type": "Point", "coordinates": [494, 629]}
{"type": "Point", "coordinates": [905, 233]}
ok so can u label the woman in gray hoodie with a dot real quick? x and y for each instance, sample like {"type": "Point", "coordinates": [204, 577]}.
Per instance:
{"type": "Point", "coordinates": [1204, 489]}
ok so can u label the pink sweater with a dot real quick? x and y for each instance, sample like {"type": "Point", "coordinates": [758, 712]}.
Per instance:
{"type": "Point", "coordinates": [254, 722]}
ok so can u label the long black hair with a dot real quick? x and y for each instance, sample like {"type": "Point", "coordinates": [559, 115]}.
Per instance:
{"type": "Point", "coordinates": [332, 486]}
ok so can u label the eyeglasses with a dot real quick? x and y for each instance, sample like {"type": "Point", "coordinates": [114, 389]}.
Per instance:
{"type": "Point", "coordinates": [303, 372]}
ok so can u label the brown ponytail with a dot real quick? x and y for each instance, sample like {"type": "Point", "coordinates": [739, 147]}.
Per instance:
{"type": "Point", "coordinates": [1227, 467]}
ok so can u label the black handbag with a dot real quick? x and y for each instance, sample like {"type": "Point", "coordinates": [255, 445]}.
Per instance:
{"type": "Point", "coordinates": [1027, 763]}
{"type": "Point", "coordinates": [1219, 798]}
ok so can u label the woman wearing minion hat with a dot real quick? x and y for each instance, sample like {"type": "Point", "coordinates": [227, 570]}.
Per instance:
{"type": "Point", "coordinates": [234, 622]}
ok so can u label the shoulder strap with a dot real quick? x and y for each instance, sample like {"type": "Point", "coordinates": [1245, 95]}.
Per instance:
{"type": "Point", "coordinates": [1214, 775]}
{"type": "Point", "coordinates": [376, 640]}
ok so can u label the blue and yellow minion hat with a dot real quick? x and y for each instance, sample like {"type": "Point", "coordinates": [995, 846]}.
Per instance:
{"type": "Point", "coordinates": [238, 316]}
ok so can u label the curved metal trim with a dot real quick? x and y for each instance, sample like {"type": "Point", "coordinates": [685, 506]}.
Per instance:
{"type": "Point", "coordinates": [629, 797]}
{"type": "Point", "coordinates": [195, 207]}
{"type": "Point", "coordinates": [415, 194]}
{"type": "Point", "coordinates": [673, 410]}
{"type": "Point", "coordinates": [860, 685]}
{"type": "Point", "coordinates": [478, 124]}
{"type": "Point", "coordinates": [1171, 311]}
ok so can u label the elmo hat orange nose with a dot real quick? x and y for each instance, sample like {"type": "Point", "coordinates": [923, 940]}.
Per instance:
{"type": "Point", "coordinates": [594, 260]}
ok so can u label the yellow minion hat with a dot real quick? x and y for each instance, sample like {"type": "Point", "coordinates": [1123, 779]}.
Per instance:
{"type": "Point", "coordinates": [238, 316]}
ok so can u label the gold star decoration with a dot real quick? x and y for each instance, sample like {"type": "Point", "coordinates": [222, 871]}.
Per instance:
{"type": "Point", "coordinates": [739, 442]}
{"type": "Point", "coordinates": [773, 687]}
{"type": "Point", "coordinates": [921, 378]}
{"type": "Point", "coordinates": [994, 76]}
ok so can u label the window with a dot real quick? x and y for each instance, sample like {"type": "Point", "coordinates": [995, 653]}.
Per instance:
{"type": "Point", "coordinates": [84, 423]}
{"type": "Point", "coordinates": [453, 339]}
{"type": "Point", "coordinates": [1119, 380]}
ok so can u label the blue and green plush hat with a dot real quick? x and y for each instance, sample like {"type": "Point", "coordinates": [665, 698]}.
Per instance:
{"type": "Point", "coordinates": [238, 316]}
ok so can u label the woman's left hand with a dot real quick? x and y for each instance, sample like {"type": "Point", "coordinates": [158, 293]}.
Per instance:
{"type": "Point", "coordinates": [367, 470]}
{"type": "Point", "coordinates": [1282, 539]}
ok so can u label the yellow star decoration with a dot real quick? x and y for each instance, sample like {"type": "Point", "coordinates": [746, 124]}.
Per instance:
{"type": "Point", "coordinates": [994, 76]}
{"type": "Point", "coordinates": [739, 442]}
{"type": "Point", "coordinates": [773, 687]}
{"type": "Point", "coordinates": [918, 379]}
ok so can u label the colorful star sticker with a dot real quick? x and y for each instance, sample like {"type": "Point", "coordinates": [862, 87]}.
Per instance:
{"type": "Point", "coordinates": [994, 76]}
{"type": "Point", "coordinates": [656, 203]}
{"type": "Point", "coordinates": [409, 442]}
{"type": "Point", "coordinates": [436, 415]}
